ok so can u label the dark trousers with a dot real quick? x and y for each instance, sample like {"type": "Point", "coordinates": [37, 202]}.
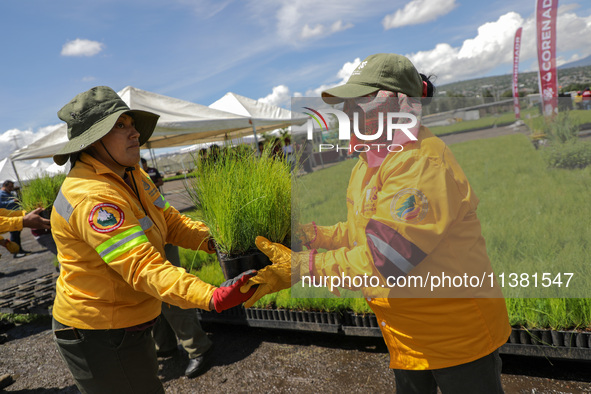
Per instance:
{"type": "Point", "coordinates": [109, 361]}
{"type": "Point", "coordinates": [482, 376]}
{"type": "Point", "coordinates": [15, 236]}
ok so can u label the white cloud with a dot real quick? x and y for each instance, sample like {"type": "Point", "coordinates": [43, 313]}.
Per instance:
{"type": "Point", "coordinates": [306, 19]}
{"type": "Point", "coordinates": [320, 30]}
{"type": "Point", "coordinates": [490, 48]}
{"type": "Point", "coordinates": [493, 46]}
{"type": "Point", "coordinates": [493, 39]}
{"type": "Point", "coordinates": [418, 11]}
{"type": "Point", "coordinates": [573, 31]}
{"type": "Point", "coordinates": [14, 139]}
{"type": "Point", "coordinates": [340, 26]}
{"type": "Point", "coordinates": [343, 75]}
{"type": "Point", "coordinates": [308, 32]}
{"type": "Point", "coordinates": [280, 96]}
{"type": "Point", "coordinates": [81, 47]}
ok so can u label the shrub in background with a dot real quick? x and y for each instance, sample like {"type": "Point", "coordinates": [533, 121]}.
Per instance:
{"type": "Point", "coordinates": [569, 155]}
{"type": "Point", "coordinates": [562, 128]}
{"type": "Point", "coordinates": [565, 149]}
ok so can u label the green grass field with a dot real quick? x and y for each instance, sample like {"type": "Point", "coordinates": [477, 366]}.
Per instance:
{"type": "Point", "coordinates": [530, 116]}
{"type": "Point", "coordinates": [534, 220]}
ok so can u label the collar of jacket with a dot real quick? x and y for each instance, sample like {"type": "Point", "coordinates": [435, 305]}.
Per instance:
{"type": "Point", "coordinates": [99, 167]}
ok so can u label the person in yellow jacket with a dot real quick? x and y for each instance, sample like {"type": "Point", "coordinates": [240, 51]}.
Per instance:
{"type": "Point", "coordinates": [411, 221]}
{"type": "Point", "coordinates": [15, 221]}
{"type": "Point", "coordinates": [110, 225]}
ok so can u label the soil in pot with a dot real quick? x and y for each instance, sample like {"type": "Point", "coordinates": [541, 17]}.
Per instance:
{"type": "Point", "coordinates": [234, 265]}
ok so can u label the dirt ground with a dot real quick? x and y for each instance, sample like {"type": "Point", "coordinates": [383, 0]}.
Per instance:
{"type": "Point", "coordinates": [272, 361]}
{"type": "Point", "coordinates": [251, 359]}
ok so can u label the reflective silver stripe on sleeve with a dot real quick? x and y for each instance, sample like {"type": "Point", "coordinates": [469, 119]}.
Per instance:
{"type": "Point", "coordinates": [160, 202]}
{"type": "Point", "coordinates": [63, 207]}
{"type": "Point", "coordinates": [391, 254]}
{"type": "Point", "coordinates": [146, 223]}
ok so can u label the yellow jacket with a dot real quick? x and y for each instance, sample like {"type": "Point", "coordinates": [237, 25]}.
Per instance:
{"type": "Point", "coordinates": [11, 220]}
{"type": "Point", "coordinates": [111, 250]}
{"type": "Point", "coordinates": [415, 215]}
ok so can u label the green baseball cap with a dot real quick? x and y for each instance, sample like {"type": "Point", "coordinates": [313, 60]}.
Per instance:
{"type": "Point", "coordinates": [382, 71]}
{"type": "Point", "coordinates": [92, 114]}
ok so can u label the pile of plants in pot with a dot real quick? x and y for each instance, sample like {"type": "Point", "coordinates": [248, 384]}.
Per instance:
{"type": "Point", "coordinates": [239, 196]}
{"type": "Point", "coordinates": [41, 192]}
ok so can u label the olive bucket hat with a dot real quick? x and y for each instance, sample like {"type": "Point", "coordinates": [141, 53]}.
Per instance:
{"type": "Point", "coordinates": [382, 71]}
{"type": "Point", "coordinates": [92, 114]}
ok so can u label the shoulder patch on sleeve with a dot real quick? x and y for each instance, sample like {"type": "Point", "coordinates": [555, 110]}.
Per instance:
{"type": "Point", "coordinates": [106, 217]}
{"type": "Point", "coordinates": [409, 205]}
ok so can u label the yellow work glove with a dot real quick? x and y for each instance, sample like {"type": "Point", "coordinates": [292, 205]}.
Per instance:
{"type": "Point", "coordinates": [276, 276]}
{"type": "Point", "coordinates": [11, 246]}
{"type": "Point", "coordinates": [306, 234]}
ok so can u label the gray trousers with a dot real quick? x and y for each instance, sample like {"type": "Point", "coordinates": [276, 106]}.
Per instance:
{"type": "Point", "coordinates": [482, 376]}
{"type": "Point", "coordinates": [183, 324]}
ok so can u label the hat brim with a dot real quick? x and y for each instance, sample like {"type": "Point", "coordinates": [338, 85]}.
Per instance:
{"type": "Point", "coordinates": [349, 90]}
{"type": "Point", "coordinates": [145, 123]}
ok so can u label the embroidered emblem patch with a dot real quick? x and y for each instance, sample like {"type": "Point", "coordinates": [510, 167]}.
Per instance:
{"type": "Point", "coordinates": [106, 217]}
{"type": "Point", "coordinates": [409, 205]}
{"type": "Point", "coordinates": [370, 202]}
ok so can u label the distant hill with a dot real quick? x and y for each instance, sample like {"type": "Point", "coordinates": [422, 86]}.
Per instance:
{"type": "Point", "coordinates": [579, 63]}
{"type": "Point", "coordinates": [500, 85]}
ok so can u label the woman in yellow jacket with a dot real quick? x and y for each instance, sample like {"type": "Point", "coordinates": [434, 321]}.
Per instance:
{"type": "Point", "coordinates": [412, 226]}
{"type": "Point", "coordinates": [110, 225]}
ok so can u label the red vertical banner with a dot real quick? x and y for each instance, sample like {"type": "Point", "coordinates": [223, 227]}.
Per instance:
{"type": "Point", "coordinates": [546, 37]}
{"type": "Point", "coordinates": [516, 49]}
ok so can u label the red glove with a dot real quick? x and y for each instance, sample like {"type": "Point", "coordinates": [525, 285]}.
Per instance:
{"type": "Point", "coordinates": [228, 295]}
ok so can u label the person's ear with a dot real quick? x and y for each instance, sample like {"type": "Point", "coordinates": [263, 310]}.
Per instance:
{"type": "Point", "coordinates": [425, 89]}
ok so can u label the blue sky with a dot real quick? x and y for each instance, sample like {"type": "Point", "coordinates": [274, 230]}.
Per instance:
{"type": "Point", "coordinates": [198, 50]}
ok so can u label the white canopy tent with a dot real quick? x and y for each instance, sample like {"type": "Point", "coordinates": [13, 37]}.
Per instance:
{"type": "Point", "coordinates": [23, 172]}
{"type": "Point", "coordinates": [263, 116]}
{"type": "Point", "coordinates": [44, 147]}
{"type": "Point", "coordinates": [181, 123]}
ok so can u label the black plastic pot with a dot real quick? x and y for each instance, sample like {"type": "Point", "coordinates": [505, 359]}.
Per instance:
{"type": "Point", "coordinates": [232, 266]}
{"type": "Point", "coordinates": [46, 213]}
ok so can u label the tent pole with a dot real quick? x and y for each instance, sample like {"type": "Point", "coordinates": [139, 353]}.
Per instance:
{"type": "Point", "coordinates": [152, 156]}
{"type": "Point", "coordinates": [254, 133]}
{"type": "Point", "coordinates": [16, 173]}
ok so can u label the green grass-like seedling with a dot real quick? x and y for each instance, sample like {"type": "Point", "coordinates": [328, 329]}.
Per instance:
{"type": "Point", "coordinates": [41, 192]}
{"type": "Point", "coordinates": [241, 196]}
